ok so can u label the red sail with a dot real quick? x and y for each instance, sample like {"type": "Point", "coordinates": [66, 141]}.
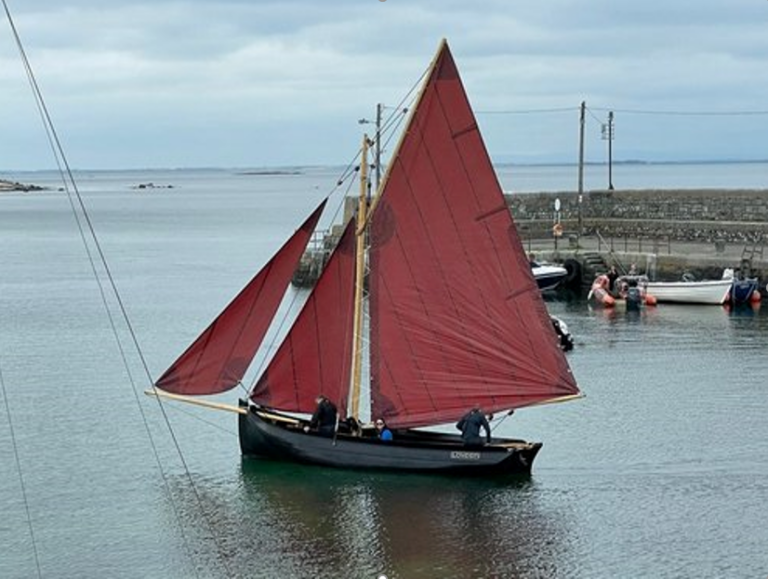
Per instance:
{"type": "Point", "coordinates": [218, 359]}
{"type": "Point", "coordinates": [315, 357]}
{"type": "Point", "coordinates": [456, 316]}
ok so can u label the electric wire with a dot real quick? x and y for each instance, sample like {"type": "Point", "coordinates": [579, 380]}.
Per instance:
{"type": "Point", "coordinates": [529, 111]}
{"type": "Point", "coordinates": [68, 178]}
{"type": "Point", "coordinates": [656, 112]}
{"type": "Point", "coordinates": [594, 116]}
{"type": "Point", "coordinates": [684, 113]}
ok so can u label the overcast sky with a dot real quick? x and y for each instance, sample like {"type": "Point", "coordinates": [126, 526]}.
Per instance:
{"type": "Point", "coordinates": [257, 83]}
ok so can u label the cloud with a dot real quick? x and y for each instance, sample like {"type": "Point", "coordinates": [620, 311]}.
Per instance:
{"type": "Point", "coordinates": [187, 82]}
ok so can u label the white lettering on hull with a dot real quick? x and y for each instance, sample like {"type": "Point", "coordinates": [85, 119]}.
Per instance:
{"type": "Point", "coordinates": [464, 455]}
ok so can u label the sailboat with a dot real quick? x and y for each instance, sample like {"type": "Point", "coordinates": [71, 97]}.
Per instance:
{"type": "Point", "coordinates": [432, 276]}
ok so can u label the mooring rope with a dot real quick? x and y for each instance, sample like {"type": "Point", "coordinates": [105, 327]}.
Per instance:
{"type": "Point", "coordinates": [21, 473]}
{"type": "Point", "coordinates": [67, 179]}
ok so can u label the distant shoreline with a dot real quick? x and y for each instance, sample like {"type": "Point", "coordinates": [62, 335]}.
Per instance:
{"type": "Point", "coordinates": [503, 161]}
{"type": "Point", "coordinates": [271, 172]}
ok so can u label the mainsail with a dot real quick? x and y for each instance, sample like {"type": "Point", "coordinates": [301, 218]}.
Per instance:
{"type": "Point", "coordinates": [220, 356]}
{"type": "Point", "coordinates": [455, 314]}
{"type": "Point", "coordinates": [315, 357]}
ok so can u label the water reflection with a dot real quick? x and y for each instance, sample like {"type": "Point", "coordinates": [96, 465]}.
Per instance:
{"type": "Point", "coordinates": [749, 309]}
{"type": "Point", "coordinates": [284, 520]}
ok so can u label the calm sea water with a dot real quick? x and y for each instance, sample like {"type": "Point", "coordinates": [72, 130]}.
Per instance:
{"type": "Point", "coordinates": [661, 471]}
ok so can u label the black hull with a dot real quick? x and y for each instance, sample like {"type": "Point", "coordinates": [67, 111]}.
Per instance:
{"type": "Point", "coordinates": [411, 451]}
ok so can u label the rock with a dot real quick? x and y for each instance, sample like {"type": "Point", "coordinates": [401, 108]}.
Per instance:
{"type": "Point", "coordinates": [15, 186]}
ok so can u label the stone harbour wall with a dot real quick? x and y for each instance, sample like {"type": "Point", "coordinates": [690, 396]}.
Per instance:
{"type": "Point", "coordinates": [702, 215]}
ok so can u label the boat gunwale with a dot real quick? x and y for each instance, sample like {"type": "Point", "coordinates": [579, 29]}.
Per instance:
{"type": "Point", "coordinates": [409, 437]}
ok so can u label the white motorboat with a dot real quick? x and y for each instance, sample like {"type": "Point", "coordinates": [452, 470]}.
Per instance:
{"type": "Point", "coordinates": [548, 276]}
{"type": "Point", "coordinates": [713, 292]}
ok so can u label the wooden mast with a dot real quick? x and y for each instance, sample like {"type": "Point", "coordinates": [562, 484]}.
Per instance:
{"type": "Point", "coordinates": [357, 347]}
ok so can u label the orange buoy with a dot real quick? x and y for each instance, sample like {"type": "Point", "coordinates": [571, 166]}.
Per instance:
{"type": "Point", "coordinates": [650, 300]}
{"type": "Point", "coordinates": [755, 297]}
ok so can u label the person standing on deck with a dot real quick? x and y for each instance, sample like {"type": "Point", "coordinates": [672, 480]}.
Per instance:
{"type": "Point", "coordinates": [324, 417]}
{"type": "Point", "coordinates": [470, 425]}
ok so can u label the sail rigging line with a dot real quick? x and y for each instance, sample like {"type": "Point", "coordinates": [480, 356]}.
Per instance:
{"type": "Point", "coordinates": [398, 120]}
{"type": "Point", "coordinates": [67, 179]}
{"type": "Point", "coordinates": [499, 422]}
{"type": "Point", "coordinates": [418, 87]}
{"type": "Point", "coordinates": [22, 484]}
{"type": "Point", "coordinates": [392, 123]}
{"type": "Point", "coordinates": [181, 410]}
{"type": "Point", "coordinates": [349, 171]}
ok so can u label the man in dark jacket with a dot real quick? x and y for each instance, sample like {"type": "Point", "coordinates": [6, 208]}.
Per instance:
{"type": "Point", "coordinates": [470, 428]}
{"type": "Point", "coordinates": [324, 417]}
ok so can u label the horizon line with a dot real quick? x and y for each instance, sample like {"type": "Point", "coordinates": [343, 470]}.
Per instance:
{"type": "Point", "coordinates": [286, 168]}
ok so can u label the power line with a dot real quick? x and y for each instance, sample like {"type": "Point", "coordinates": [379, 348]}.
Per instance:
{"type": "Point", "coordinates": [659, 112]}
{"type": "Point", "coordinates": [683, 113]}
{"type": "Point", "coordinates": [529, 111]}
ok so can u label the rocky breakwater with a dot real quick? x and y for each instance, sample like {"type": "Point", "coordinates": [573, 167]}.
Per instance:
{"type": "Point", "coordinates": [6, 186]}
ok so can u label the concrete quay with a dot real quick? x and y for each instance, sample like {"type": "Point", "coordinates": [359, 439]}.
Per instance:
{"type": "Point", "coordinates": [665, 260]}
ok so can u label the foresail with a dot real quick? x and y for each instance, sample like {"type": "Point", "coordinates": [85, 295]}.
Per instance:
{"type": "Point", "coordinates": [456, 316]}
{"type": "Point", "coordinates": [220, 356]}
{"type": "Point", "coordinates": [315, 357]}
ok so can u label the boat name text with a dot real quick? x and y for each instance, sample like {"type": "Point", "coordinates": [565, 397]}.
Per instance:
{"type": "Point", "coordinates": [461, 455]}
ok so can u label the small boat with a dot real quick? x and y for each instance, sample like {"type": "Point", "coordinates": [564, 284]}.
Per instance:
{"type": "Point", "coordinates": [427, 305]}
{"type": "Point", "coordinates": [713, 292]}
{"type": "Point", "coordinates": [744, 289]}
{"type": "Point", "coordinates": [629, 291]}
{"type": "Point", "coordinates": [548, 276]}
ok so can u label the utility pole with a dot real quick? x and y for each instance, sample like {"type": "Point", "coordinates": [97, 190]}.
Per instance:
{"type": "Point", "coordinates": [377, 143]}
{"type": "Point", "coordinates": [377, 154]}
{"type": "Point", "coordinates": [581, 162]}
{"type": "Point", "coordinates": [608, 136]}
